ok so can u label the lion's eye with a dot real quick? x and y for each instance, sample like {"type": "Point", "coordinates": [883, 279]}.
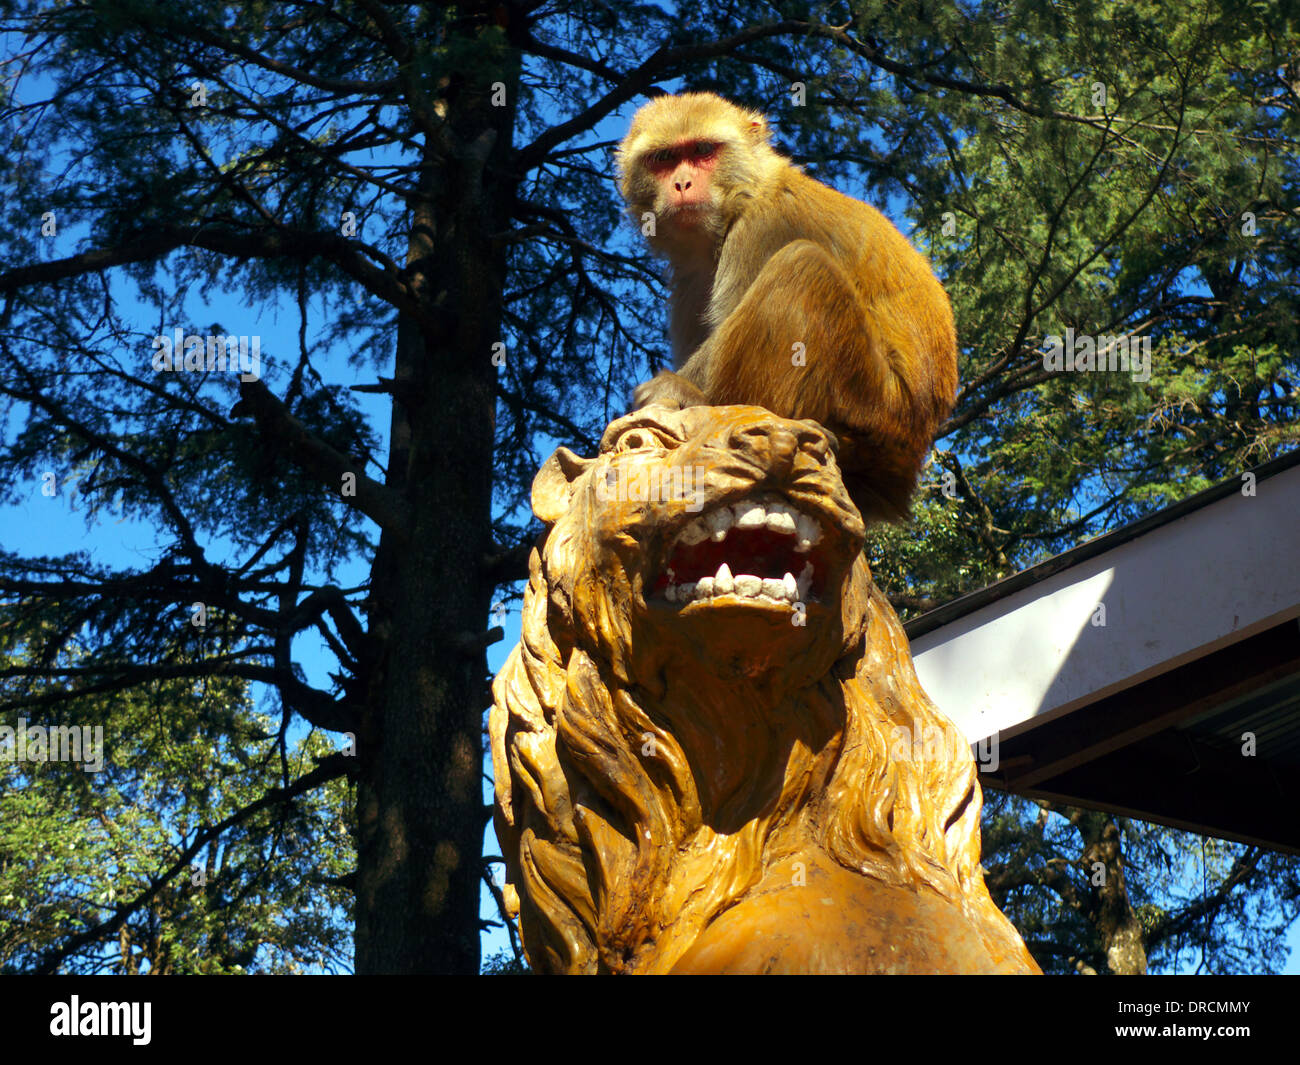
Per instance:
{"type": "Point", "coordinates": [636, 439]}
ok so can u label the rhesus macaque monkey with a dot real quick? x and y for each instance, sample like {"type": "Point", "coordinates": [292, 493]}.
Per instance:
{"type": "Point", "coordinates": [789, 295]}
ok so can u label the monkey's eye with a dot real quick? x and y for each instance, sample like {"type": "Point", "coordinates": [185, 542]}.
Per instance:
{"type": "Point", "coordinates": [705, 148]}
{"type": "Point", "coordinates": [663, 156]}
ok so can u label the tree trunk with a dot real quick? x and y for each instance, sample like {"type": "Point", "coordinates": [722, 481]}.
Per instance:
{"type": "Point", "coordinates": [1121, 931]}
{"type": "Point", "coordinates": [420, 804]}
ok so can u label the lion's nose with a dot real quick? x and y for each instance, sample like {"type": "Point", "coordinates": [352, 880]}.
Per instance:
{"type": "Point", "coordinates": [784, 445]}
{"type": "Point", "coordinates": [778, 443]}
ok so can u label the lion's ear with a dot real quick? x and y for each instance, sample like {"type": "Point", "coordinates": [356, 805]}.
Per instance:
{"type": "Point", "coordinates": [553, 485]}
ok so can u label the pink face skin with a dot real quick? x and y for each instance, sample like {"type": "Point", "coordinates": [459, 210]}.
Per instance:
{"type": "Point", "coordinates": [685, 174]}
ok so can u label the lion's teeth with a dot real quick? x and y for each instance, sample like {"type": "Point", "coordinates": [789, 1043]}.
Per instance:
{"type": "Point", "coordinates": [809, 528]}
{"type": "Point", "coordinates": [781, 519]}
{"type": "Point", "coordinates": [788, 589]}
{"type": "Point", "coordinates": [723, 583]}
{"type": "Point", "coordinates": [809, 533]}
{"type": "Point", "coordinates": [777, 517]}
{"type": "Point", "coordinates": [694, 533]}
{"type": "Point", "coordinates": [805, 581]}
{"type": "Point", "coordinates": [767, 514]}
{"type": "Point", "coordinates": [718, 522]}
{"type": "Point", "coordinates": [750, 515]}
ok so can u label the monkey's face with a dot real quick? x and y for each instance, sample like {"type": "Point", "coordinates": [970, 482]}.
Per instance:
{"type": "Point", "coordinates": [683, 177]}
{"type": "Point", "coordinates": [681, 160]}
{"type": "Point", "coordinates": [677, 184]}
{"type": "Point", "coordinates": [724, 528]}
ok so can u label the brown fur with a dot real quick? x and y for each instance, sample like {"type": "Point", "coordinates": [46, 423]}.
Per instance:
{"type": "Point", "coordinates": [774, 259]}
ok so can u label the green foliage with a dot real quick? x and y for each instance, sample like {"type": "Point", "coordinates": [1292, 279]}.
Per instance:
{"type": "Point", "coordinates": [504, 963]}
{"type": "Point", "coordinates": [1131, 216]}
{"type": "Point", "coordinates": [1202, 904]}
{"type": "Point", "coordinates": [177, 759]}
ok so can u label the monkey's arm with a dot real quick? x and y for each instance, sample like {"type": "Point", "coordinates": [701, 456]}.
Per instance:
{"type": "Point", "coordinates": [670, 389]}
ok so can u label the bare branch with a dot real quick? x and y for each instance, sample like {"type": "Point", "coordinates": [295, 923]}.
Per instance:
{"type": "Point", "coordinates": [321, 460]}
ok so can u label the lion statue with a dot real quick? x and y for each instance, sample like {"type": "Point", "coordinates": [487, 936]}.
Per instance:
{"type": "Point", "coordinates": [696, 742]}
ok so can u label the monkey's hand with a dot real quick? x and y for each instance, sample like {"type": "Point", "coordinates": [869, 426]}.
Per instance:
{"type": "Point", "coordinates": [668, 389]}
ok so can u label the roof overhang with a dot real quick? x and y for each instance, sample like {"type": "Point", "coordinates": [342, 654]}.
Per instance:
{"type": "Point", "coordinates": [1153, 672]}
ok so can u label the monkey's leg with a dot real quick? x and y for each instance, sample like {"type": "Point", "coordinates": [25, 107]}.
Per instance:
{"type": "Point", "coordinates": [801, 340]}
{"type": "Point", "coordinates": [805, 343]}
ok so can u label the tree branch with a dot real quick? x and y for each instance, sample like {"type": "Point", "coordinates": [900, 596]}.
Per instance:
{"type": "Point", "coordinates": [321, 460]}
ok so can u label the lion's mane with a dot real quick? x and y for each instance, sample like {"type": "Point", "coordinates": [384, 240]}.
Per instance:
{"type": "Point", "coordinates": [615, 860]}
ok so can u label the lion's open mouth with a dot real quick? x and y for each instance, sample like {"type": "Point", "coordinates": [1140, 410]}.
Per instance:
{"type": "Point", "coordinates": [762, 549]}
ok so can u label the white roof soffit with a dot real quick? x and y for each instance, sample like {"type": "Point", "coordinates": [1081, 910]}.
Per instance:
{"type": "Point", "coordinates": [1199, 576]}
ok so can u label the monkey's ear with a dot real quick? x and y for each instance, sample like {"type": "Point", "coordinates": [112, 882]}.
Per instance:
{"type": "Point", "coordinates": [553, 485]}
{"type": "Point", "coordinates": [757, 128]}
